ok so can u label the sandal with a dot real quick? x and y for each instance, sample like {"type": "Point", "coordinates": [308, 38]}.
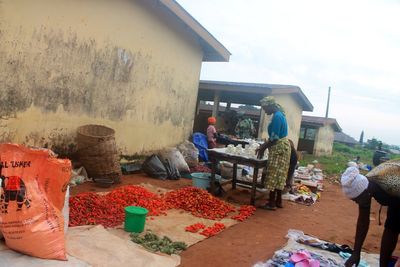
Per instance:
{"type": "Point", "coordinates": [268, 207]}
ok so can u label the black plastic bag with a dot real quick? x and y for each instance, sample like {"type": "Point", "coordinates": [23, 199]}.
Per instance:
{"type": "Point", "coordinates": [172, 170]}
{"type": "Point", "coordinates": [153, 167]}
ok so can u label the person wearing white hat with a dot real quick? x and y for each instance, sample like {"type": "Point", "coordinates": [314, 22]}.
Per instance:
{"type": "Point", "coordinates": [358, 188]}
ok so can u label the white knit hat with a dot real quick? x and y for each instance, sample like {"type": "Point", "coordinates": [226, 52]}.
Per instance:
{"type": "Point", "coordinates": [353, 183]}
{"type": "Point", "coordinates": [352, 164]}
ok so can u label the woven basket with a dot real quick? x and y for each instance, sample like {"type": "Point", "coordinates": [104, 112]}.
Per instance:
{"type": "Point", "coordinates": [97, 151]}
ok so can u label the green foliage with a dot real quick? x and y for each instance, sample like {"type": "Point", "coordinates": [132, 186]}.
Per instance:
{"type": "Point", "coordinates": [361, 138]}
{"type": "Point", "coordinates": [333, 164]}
{"type": "Point", "coordinates": [152, 242]}
{"type": "Point", "coordinates": [395, 157]}
{"type": "Point", "coordinates": [374, 144]}
{"type": "Point", "coordinates": [352, 152]}
{"type": "Point", "coordinates": [337, 162]}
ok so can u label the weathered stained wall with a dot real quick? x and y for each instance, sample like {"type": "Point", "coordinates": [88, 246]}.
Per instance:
{"type": "Point", "coordinates": [293, 113]}
{"type": "Point", "coordinates": [324, 141]}
{"type": "Point", "coordinates": [124, 64]}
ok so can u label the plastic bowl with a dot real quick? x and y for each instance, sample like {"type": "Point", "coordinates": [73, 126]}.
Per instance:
{"type": "Point", "coordinates": [202, 179]}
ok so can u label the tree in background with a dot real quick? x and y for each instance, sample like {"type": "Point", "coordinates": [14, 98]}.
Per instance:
{"type": "Point", "coordinates": [372, 143]}
{"type": "Point", "coordinates": [375, 143]}
{"type": "Point", "coordinates": [362, 138]}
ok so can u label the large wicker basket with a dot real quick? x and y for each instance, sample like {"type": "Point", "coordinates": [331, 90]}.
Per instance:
{"type": "Point", "coordinates": [97, 151]}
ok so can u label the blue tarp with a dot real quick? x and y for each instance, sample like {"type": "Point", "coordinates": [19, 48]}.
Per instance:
{"type": "Point", "coordinates": [200, 141]}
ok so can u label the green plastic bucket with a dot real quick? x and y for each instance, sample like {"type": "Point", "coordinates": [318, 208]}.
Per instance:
{"type": "Point", "coordinates": [135, 218]}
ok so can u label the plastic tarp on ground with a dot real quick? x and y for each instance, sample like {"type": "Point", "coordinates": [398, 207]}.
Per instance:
{"type": "Point", "coordinates": [173, 225]}
{"type": "Point", "coordinates": [93, 246]}
{"type": "Point", "coordinates": [96, 246]}
{"type": "Point", "coordinates": [100, 247]}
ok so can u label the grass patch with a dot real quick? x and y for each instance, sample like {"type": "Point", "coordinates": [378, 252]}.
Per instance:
{"type": "Point", "coordinates": [337, 162]}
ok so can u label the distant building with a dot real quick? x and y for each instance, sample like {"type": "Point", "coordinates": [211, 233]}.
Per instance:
{"type": "Point", "coordinates": [317, 135]}
{"type": "Point", "coordinates": [394, 151]}
{"type": "Point", "coordinates": [343, 138]}
{"type": "Point", "coordinates": [290, 97]}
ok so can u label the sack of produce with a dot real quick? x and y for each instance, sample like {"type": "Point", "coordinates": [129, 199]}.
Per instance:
{"type": "Point", "coordinates": [387, 176]}
{"type": "Point", "coordinates": [33, 190]}
{"type": "Point", "coordinates": [175, 158]}
{"type": "Point", "coordinates": [190, 153]}
{"type": "Point", "coordinates": [153, 167]}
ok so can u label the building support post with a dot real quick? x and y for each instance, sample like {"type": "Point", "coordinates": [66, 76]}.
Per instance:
{"type": "Point", "coordinates": [216, 104]}
{"type": "Point", "coordinates": [261, 128]}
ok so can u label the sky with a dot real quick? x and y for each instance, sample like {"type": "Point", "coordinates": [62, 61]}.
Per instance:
{"type": "Point", "coordinates": [352, 46]}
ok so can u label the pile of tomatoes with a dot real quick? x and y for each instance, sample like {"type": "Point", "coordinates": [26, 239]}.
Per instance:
{"type": "Point", "coordinates": [213, 230]}
{"type": "Point", "coordinates": [245, 212]}
{"type": "Point", "coordinates": [108, 209]}
{"type": "Point", "coordinates": [194, 228]}
{"type": "Point", "coordinates": [198, 202]}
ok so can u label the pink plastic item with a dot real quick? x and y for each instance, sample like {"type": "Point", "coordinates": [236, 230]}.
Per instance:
{"type": "Point", "coordinates": [303, 259]}
{"type": "Point", "coordinates": [300, 256]}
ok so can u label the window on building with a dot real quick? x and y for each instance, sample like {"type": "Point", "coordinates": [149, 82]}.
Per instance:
{"type": "Point", "coordinates": [302, 133]}
{"type": "Point", "coordinates": [310, 134]}
{"type": "Point", "coordinates": [307, 133]}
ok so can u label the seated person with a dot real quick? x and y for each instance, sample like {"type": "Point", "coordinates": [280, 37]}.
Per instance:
{"type": "Point", "coordinates": [212, 133]}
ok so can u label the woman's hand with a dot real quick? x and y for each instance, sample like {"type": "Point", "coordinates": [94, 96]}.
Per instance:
{"type": "Point", "coordinates": [260, 152]}
{"type": "Point", "coordinates": [353, 260]}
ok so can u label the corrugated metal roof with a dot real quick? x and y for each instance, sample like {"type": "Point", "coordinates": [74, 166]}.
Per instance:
{"type": "Point", "coordinates": [258, 89]}
{"type": "Point", "coordinates": [344, 138]}
{"type": "Point", "coordinates": [251, 85]}
{"type": "Point", "coordinates": [321, 121]}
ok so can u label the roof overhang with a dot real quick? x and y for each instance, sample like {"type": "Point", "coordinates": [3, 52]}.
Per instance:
{"type": "Point", "coordinates": [213, 50]}
{"type": "Point", "coordinates": [249, 93]}
{"type": "Point", "coordinates": [320, 122]}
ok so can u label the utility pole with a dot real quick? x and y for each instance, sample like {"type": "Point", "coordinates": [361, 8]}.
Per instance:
{"type": "Point", "coordinates": [327, 105]}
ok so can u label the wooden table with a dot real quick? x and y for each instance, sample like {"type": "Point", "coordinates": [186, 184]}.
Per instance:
{"type": "Point", "coordinates": [218, 154]}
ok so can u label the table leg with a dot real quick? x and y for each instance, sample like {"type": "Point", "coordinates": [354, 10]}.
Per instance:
{"type": "Point", "coordinates": [253, 187]}
{"type": "Point", "coordinates": [212, 178]}
{"type": "Point", "coordinates": [234, 175]}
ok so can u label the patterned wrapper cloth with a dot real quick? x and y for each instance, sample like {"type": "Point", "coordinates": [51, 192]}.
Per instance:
{"type": "Point", "coordinates": [278, 165]}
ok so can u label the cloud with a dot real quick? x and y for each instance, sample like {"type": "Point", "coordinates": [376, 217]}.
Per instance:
{"type": "Point", "coordinates": [349, 45]}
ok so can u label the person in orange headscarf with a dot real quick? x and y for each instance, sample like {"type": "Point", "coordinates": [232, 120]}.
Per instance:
{"type": "Point", "coordinates": [212, 133]}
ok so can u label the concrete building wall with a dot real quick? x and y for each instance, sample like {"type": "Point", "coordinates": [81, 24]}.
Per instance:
{"type": "Point", "coordinates": [293, 113]}
{"type": "Point", "coordinates": [324, 141]}
{"type": "Point", "coordinates": [120, 63]}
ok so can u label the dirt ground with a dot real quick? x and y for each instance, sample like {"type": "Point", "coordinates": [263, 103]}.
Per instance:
{"type": "Point", "coordinates": [333, 218]}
